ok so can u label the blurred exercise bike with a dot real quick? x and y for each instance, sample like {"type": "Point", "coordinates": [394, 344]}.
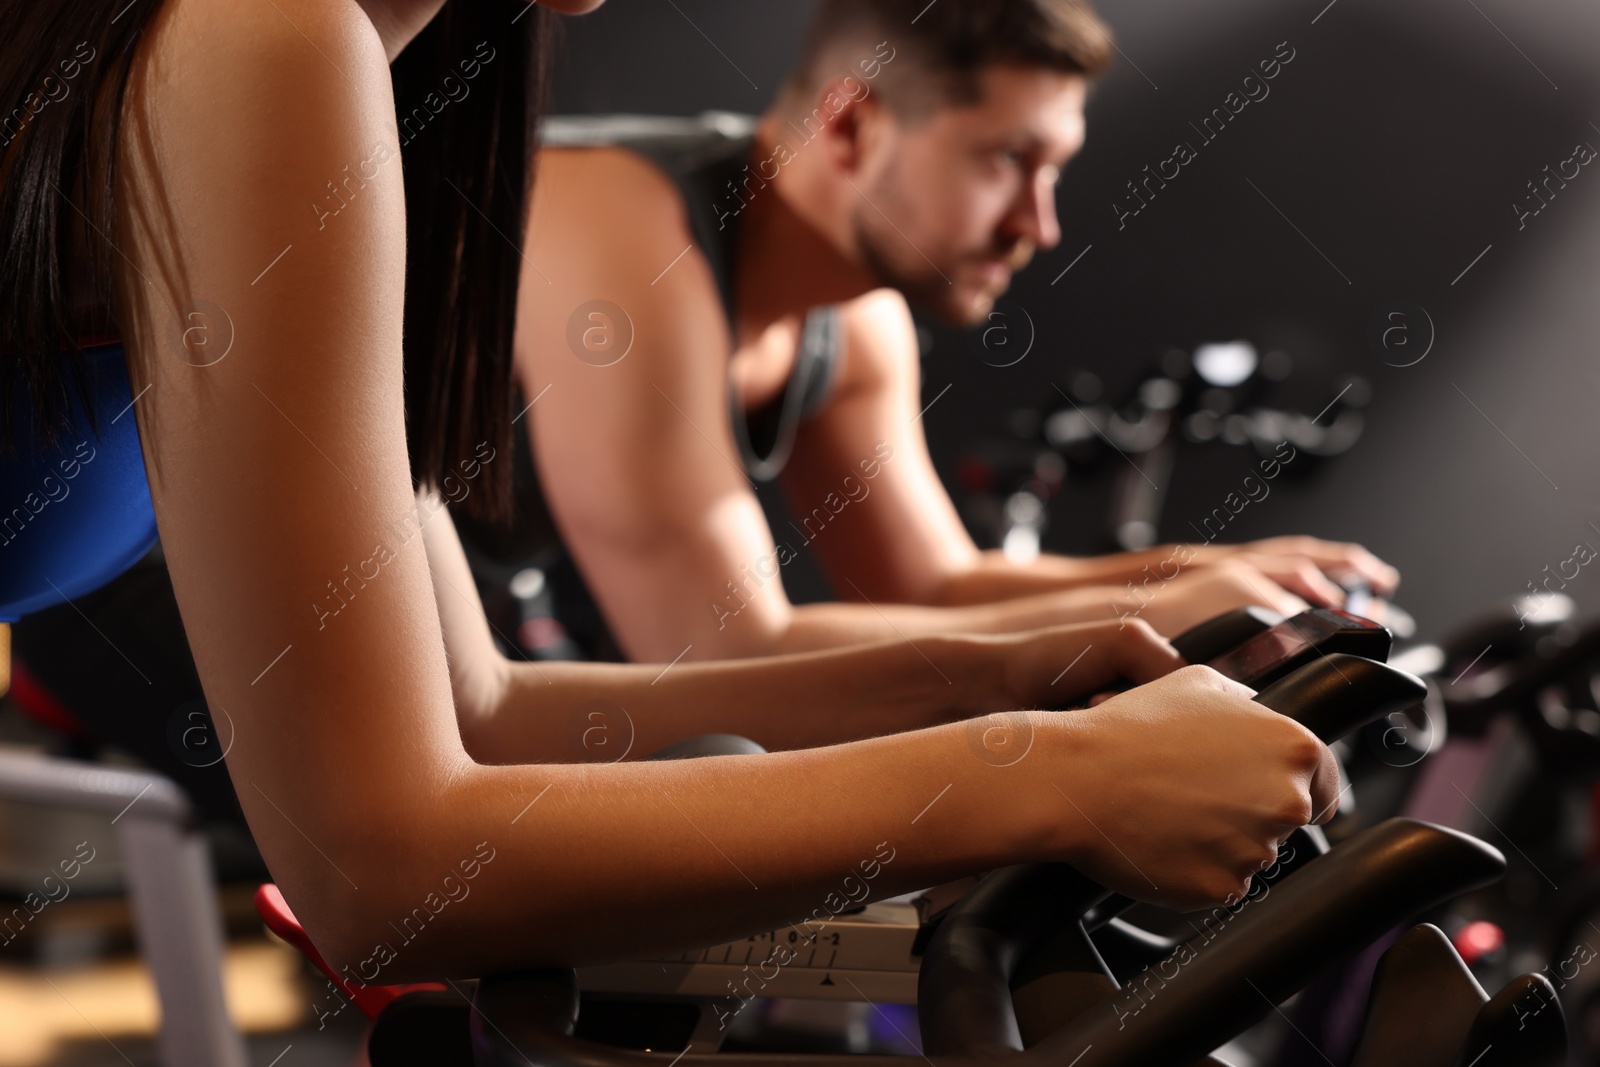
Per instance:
{"type": "Point", "coordinates": [1219, 393]}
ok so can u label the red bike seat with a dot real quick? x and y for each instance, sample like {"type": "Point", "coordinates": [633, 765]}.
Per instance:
{"type": "Point", "coordinates": [371, 999]}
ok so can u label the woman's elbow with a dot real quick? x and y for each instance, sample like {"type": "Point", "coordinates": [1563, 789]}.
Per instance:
{"type": "Point", "coordinates": [480, 688]}
{"type": "Point", "coordinates": [356, 874]}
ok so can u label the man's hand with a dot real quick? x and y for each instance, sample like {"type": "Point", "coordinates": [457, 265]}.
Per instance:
{"type": "Point", "coordinates": [1310, 567]}
{"type": "Point", "coordinates": [1177, 792]}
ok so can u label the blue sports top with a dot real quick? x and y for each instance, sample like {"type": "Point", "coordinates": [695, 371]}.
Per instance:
{"type": "Point", "coordinates": [75, 516]}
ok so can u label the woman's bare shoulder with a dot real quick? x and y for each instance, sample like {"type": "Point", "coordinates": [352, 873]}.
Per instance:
{"type": "Point", "coordinates": [237, 120]}
{"type": "Point", "coordinates": [208, 73]}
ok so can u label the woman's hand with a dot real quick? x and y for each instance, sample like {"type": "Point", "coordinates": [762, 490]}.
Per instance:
{"type": "Point", "coordinates": [1205, 592]}
{"type": "Point", "coordinates": [1063, 665]}
{"type": "Point", "coordinates": [1177, 792]}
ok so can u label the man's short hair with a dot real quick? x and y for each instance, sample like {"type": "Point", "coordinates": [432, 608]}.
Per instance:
{"type": "Point", "coordinates": [940, 49]}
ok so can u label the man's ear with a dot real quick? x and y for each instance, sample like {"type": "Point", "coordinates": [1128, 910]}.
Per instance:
{"type": "Point", "coordinates": [855, 122]}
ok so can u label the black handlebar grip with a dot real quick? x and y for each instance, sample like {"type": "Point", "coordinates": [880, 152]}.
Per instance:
{"type": "Point", "coordinates": [1338, 693]}
{"type": "Point", "coordinates": [1228, 977]}
{"type": "Point", "coordinates": [1522, 1026]}
{"type": "Point", "coordinates": [970, 1004]}
{"type": "Point", "coordinates": [1206, 641]}
{"type": "Point", "coordinates": [1423, 1000]}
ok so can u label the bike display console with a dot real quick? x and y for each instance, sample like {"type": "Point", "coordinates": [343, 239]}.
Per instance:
{"type": "Point", "coordinates": [872, 955]}
{"type": "Point", "coordinates": [1289, 645]}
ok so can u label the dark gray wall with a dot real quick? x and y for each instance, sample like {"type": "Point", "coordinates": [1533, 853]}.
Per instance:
{"type": "Point", "coordinates": [1392, 147]}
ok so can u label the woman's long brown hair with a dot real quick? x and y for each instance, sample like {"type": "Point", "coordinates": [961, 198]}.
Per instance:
{"type": "Point", "coordinates": [468, 173]}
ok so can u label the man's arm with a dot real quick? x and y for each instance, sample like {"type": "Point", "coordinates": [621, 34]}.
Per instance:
{"type": "Point", "coordinates": [636, 455]}
{"type": "Point", "coordinates": [1305, 566]}
{"type": "Point", "coordinates": [896, 536]}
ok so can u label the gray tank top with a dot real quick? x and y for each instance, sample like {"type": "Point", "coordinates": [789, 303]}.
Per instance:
{"type": "Point", "coordinates": [707, 158]}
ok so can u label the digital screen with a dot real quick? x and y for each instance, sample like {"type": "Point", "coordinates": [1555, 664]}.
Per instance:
{"type": "Point", "coordinates": [1289, 638]}
{"type": "Point", "coordinates": [1264, 650]}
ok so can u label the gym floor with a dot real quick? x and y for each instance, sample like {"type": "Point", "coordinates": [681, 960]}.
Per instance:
{"type": "Point", "coordinates": [74, 993]}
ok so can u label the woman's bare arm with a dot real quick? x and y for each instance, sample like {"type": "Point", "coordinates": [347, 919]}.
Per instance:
{"type": "Point", "coordinates": [282, 490]}
{"type": "Point", "coordinates": [513, 712]}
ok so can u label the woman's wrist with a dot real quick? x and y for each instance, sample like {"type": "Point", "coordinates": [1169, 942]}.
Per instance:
{"type": "Point", "coordinates": [975, 664]}
{"type": "Point", "coordinates": [991, 788]}
{"type": "Point", "coordinates": [1059, 741]}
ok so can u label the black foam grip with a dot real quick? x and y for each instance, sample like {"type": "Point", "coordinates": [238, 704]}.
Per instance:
{"type": "Point", "coordinates": [1338, 693]}
{"type": "Point", "coordinates": [1207, 640]}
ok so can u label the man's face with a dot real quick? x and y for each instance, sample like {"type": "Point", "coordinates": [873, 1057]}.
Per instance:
{"type": "Point", "coordinates": [962, 197]}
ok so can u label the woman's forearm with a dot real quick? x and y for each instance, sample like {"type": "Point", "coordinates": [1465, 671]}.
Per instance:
{"type": "Point", "coordinates": [568, 865]}
{"type": "Point", "coordinates": [832, 624]}
{"type": "Point", "coordinates": [589, 713]}
{"type": "Point", "coordinates": [1175, 792]}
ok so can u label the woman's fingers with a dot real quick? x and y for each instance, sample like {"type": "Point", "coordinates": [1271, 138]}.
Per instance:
{"type": "Point", "coordinates": [1327, 785]}
{"type": "Point", "coordinates": [1137, 653]}
{"type": "Point", "coordinates": [1065, 664]}
{"type": "Point", "coordinates": [1185, 786]}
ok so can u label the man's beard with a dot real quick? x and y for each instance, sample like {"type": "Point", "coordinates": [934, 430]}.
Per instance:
{"type": "Point", "coordinates": [896, 264]}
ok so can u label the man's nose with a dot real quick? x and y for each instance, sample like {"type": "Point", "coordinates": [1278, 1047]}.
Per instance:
{"type": "Point", "coordinates": [1035, 215]}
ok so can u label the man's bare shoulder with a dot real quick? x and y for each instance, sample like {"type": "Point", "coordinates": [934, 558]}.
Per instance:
{"type": "Point", "coordinates": [607, 224]}
{"type": "Point", "coordinates": [609, 207]}
{"type": "Point", "coordinates": [880, 339]}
